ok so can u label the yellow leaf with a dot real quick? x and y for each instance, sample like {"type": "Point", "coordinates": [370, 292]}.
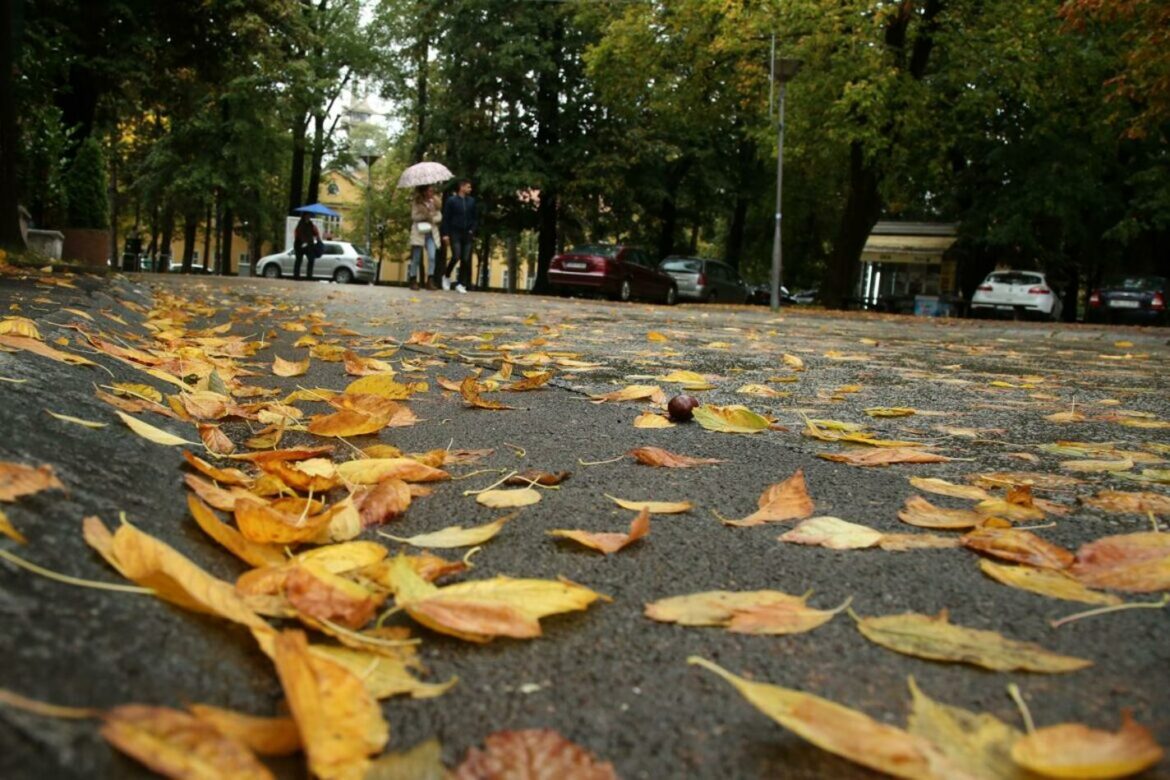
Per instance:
{"type": "Point", "coordinates": [683, 377]}
{"type": "Point", "coordinates": [9, 530]}
{"type": "Point", "coordinates": [264, 736]}
{"type": "Point", "coordinates": [793, 362]}
{"type": "Point", "coordinates": [1122, 464]}
{"type": "Point", "coordinates": [44, 350]}
{"type": "Point", "coordinates": [608, 543]}
{"type": "Point", "coordinates": [730, 419]}
{"type": "Point", "coordinates": [944, 488]}
{"type": "Point", "coordinates": [382, 385]}
{"type": "Point", "coordinates": [287, 368]}
{"type": "Point", "coordinates": [936, 638]}
{"type": "Point", "coordinates": [266, 524]}
{"type": "Point", "coordinates": [1019, 546]}
{"type": "Point", "coordinates": [424, 761]}
{"type": "Point", "coordinates": [980, 744]}
{"type": "Point", "coordinates": [654, 335]}
{"type": "Point", "coordinates": [77, 420]}
{"type": "Point", "coordinates": [890, 411]}
{"type": "Point", "coordinates": [347, 422]}
{"type": "Point", "coordinates": [840, 730]}
{"type": "Point", "coordinates": [761, 390]}
{"type": "Point", "coordinates": [1134, 503]}
{"type": "Point", "coordinates": [339, 720]}
{"type": "Point", "coordinates": [1066, 417]}
{"type": "Point", "coordinates": [654, 507]}
{"type": "Point", "coordinates": [651, 420]}
{"type": "Point", "coordinates": [884, 457]}
{"type": "Point", "coordinates": [454, 536]}
{"type": "Point", "coordinates": [176, 744]}
{"type": "Point", "coordinates": [923, 514]}
{"type": "Point", "coordinates": [631, 393]}
{"type": "Point", "coordinates": [248, 551]}
{"type": "Point", "coordinates": [1046, 582]}
{"type": "Point", "coordinates": [787, 500]}
{"type": "Point", "coordinates": [370, 471]}
{"type": "Point", "coordinates": [508, 499]}
{"type": "Point", "coordinates": [19, 326]}
{"type": "Point", "coordinates": [765, 612]}
{"type": "Point", "coordinates": [151, 433]}
{"type": "Point", "coordinates": [833, 533]}
{"type": "Point", "coordinates": [1073, 750]}
{"type": "Point", "coordinates": [385, 671]}
{"type": "Point", "coordinates": [137, 390]}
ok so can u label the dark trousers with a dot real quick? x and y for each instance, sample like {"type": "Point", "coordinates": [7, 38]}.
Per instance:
{"type": "Point", "coordinates": [303, 250]}
{"type": "Point", "coordinates": [461, 254]}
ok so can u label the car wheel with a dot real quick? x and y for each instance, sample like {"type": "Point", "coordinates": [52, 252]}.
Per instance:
{"type": "Point", "coordinates": [343, 275]}
{"type": "Point", "coordinates": [671, 295]}
{"type": "Point", "coordinates": [626, 292]}
{"type": "Point", "coordinates": [272, 271]}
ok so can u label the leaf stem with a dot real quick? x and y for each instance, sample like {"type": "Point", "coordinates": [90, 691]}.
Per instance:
{"type": "Point", "coordinates": [370, 640]}
{"type": "Point", "coordinates": [45, 709]}
{"type": "Point", "coordinates": [600, 462]}
{"type": "Point", "coordinates": [1014, 691]}
{"type": "Point", "coordinates": [65, 578]}
{"type": "Point", "coordinates": [499, 481]}
{"type": "Point", "coordinates": [1160, 604]}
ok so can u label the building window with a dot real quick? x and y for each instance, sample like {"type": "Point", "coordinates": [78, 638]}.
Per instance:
{"type": "Point", "coordinates": [333, 189]}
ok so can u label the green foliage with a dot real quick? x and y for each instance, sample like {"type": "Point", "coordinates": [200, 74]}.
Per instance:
{"type": "Point", "coordinates": [88, 184]}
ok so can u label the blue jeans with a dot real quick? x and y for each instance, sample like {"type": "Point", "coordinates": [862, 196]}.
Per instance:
{"type": "Point", "coordinates": [461, 253]}
{"type": "Point", "coordinates": [416, 256]}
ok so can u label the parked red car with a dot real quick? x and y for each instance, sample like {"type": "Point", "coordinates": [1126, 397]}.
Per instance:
{"type": "Point", "coordinates": [615, 270]}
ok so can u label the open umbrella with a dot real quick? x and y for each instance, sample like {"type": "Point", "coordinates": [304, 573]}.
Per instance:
{"type": "Point", "coordinates": [316, 208]}
{"type": "Point", "coordinates": [423, 173]}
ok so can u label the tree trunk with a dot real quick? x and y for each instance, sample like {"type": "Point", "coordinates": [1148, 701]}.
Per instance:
{"type": "Point", "coordinates": [162, 261]}
{"type": "Point", "coordinates": [190, 224]}
{"type": "Point", "coordinates": [207, 230]}
{"type": "Point", "coordinates": [547, 138]}
{"type": "Point", "coordinates": [112, 194]}
{"type": "Point", "coordinates": [668, 214]}
{"type": "Point", "coordinates": [318, 155]}
{"type": "Point", "coordinates": [12, 13]}
{"type": "Point", "coordinates": [735, 231]}
{"type": "Point", "coordinates": [862, 208]}
{"type": "Point", "coordinates": [513, 263]}
{"type": "Point", "coordinates": [225, 241]}
{"type": "Point", "coordinates": [296, 182]}
{"type": "Point", "coordinates": [422, 54]}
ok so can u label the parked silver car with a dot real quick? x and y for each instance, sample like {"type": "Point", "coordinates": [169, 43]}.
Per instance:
{"type": "Point", "coordinates": [341, 261]}
{"type": "Point", "coordinates": [700, 279]}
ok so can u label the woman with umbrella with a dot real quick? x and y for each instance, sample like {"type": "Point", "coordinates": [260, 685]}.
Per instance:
{"type": "Point", "coordinates": [425, 216]}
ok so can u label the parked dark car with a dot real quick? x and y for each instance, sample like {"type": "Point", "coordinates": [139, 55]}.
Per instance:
{"type": "Point", "coordinates": [617, 271]}
{"type": "Point", "coordinates": [762, 294]}
{"type": "Point", "coordinates": [1129, 299]}
{"type": "Point", "coordinates": [701, 279]}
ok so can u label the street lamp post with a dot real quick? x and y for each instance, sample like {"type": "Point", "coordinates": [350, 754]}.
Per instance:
{"type": "Point", "coordinates": [369, 158]}
{"type": "Point", "coordinates": [783, 71]}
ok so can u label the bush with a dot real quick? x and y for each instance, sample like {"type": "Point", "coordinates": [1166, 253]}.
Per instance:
{"type": "Point", "coordinates": [87, 186]}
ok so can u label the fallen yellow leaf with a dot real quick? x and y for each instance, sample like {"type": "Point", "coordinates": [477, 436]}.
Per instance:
{"type": "Point", "coordinates": [609, 542]}
{"type": "Point", "coordinates": [18, 480]}
{"type": "Point", "coordinates": [1046, 582]}
{"type": "Point", "coordinates": [787, 500]}
{"type": "Point", "coordinates": [768, 612]}
{"type": "Point", "coordinates": [923, 514]}
{"type": "Point", "coordinates": [264, 736]}
{"type": "Point", "coordinates": [833, 533]}
{"type": "Point", "coordinates": [508, 499]}
{"type": "Point", "coordinates": [454, 536]}
{"type": "Point", "coordinates": [730, 419]}
{"type": "Point", "coordinates": [654, 507]}
{"type": "Point", "coordinates": [979, 744]}
{"type": "Point", "coordinates": [1073, 750]}
{"type": "Point", "coordinates": [151, 433]}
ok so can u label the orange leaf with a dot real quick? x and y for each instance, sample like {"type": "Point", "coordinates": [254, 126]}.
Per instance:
{"type": "Point", "coordinates": [225, 476]}
{"type": "Point", "coordinates": [923, 514]}
{"type": "Point", "coordinates": [883, 457]}
{"type": "Point", "coordinates": [176, 744]}
{"type": "Point", "coordinates": [609, 542]}
{"type": "Point", "coordinates": [529, 383]}
{"type": "Point", "coordinates": [18, 480]}
{"type": "Point", "coordinates": [787, 500]}
{"type": "Point", "coordinates": [1132, 503]}
{"type": "Point", "coordinates": [1137, 563]}
{"type": "Point", "coordinates": [346, 423]}
{"type": "Point", "coordinates": [265, 736]}
{"type": "Point", "coordinates": [215, 440]}
{"type": "Point", "coordinates": [1019, 546]}
{"type": "Point", "coordinates": [223, 500]}
{"type": "Point", "coordinates": [247, 551]}
{"type": "Point", "coordinates": [318, 593]}
{"type": "Point", "coordinates": [371, 471]}
{"type": "Point", "coordinates": [656, 456]}
{"type": "Point", "coordinates": [260, 522]}
{"type": "Point", "coordinates": [1076, 751]}
{"type": "Point", "coordinates": [297, 453]}
{"type": "Point", "coordinates": [469, 389]}
{"type": "Point", "coordinates": [535, 753]}
{"type": "Point", "coordinates": [387, 500]}
{"type": "Point", "coordinates": [315, 474]}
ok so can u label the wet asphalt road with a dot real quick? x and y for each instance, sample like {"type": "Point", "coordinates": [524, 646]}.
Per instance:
{"type": "Point", "coordinates": [607, 678]}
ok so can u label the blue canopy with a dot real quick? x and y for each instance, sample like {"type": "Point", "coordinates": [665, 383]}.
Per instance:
{"type": "Point", "coordinates": [317, 208]}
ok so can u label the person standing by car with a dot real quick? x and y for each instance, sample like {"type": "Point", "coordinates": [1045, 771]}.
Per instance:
{"type": "Point", "coordinates": [459, 223]}
{"type": "Point", "coordinates": [305, 238]}
{"type": "Point", "coordinates": [425, 217]}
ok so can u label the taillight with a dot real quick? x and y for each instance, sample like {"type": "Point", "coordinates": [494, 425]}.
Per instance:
{"type": "Point", "coordinates": [1039, 291]}
{"type": "Point", "coordinates": [702, 280]}
{"type": "Point", "coordinates": [1159, 302]}
{"type": "Point", "coordinates": [985, 288]}
{"type": "Point", "coordinates": [1095, 298]}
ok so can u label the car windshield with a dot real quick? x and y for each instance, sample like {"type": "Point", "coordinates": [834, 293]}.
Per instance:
{"type": "Point", "coordinates": [680, 264]}
{"type": "Point", "coordinates": [1135, 283]}
{"type": "Point", "coordinates": [1014, 277]}
{"type": "Point", "coordinates": [601, 250]}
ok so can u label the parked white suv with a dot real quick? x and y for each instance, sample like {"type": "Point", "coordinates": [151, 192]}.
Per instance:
{"type": "Point", "coordinates": [341, 262]}
{"type": "Point", "coordinates": [1017, 293]}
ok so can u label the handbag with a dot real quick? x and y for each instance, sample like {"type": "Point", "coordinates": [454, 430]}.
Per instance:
{"type": "Point", "coordinates": [423, 227]}
{"type": "Point", "coordinates": [318, 249]}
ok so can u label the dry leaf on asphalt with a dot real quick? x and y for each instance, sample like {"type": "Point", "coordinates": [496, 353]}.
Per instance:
{"type": "Point", "coordinates": [906, 542]}
{"type": "Point", "coordinates": [1120, 464]}
{"type": "Point", "coordinates": [1130, 503]}
{"type": "Point", "coordinates": [246, 550]}
{"type": "Point", "coordinates": [150, 432]}
{"type": "Point", "coordinates": [383, 385]}
{"type": "Point", "coordinates": [175, 744]}
{"type": "Point", "coordinates": [1036, 479]}
{"type": "Point", "coordinates": [347, 422]}
{"type": "Point", "coordinates": [943, 488]}
{"type": "Point", "coordinates": [480, 610]}
{"type": "Point", "coordinates": [923, 514]}
{"type": "Point", "coordinates": [833, 533]}
{"type": "Point", "coordinates": [546, 478]}
{"type": "Point", "coordinates": [469, 389]}
{"type": "Point", "coordinates": [979, 744]}
{"type": "Point", "coordinates": [1135, 563]}
{"type": "Point", "coordinates": [534, 754]}
{"type": "Point", "coordinates": [883, 457]}
{"type": "Point", "coordinates": [936, 638]}
{"type": "Point", "coordinates": [730, 419]}
{"type": "Point", "coordinates": [1025, 547]}
{"type": "Point", "coordinates": [1045, 582]}
{"type": "Point", "coordinates": [385, 501]}
{"type": "Point", "coordinates": [533, 382]}
{"type": "Point", "coordinates": [744, 612]}
{"type": "Point", "coordinates": [653, 507]}
{"type": "Point", "coordinates": [263, 736]}
{"type": "Point", "coordinates": [18, 480]}
{"type": "Point", "coordinates": [227, 476]}
{"type": "Point", "coordinates": [787, 500]}
{"type": "Point", "coordinates": [424, 761]}
{"type": "Point", "coordinates": [1076, 751]}
{"type": "Point", "coordinates": [455, 535]}
{"type": "Point", "coordinates": [316, 592]}
{"type": "Point", "coordinates": [370, 471]}
{"type": "Point", "coordinates": [890, 411]}
{"type": "Point", "coordinates": [508, 499]}
{"type": "Point", "coordinates": [652, 420]}
{"type": "Point", "coordinates": [656, 456]}
{"type": "Point", "coordinates": [44, 350]}
{"type": "Point", "coordinates": [1017, 505]}
{"type": "Point", "coordinates": [839, 730]}
{"type": "Point", "coordinates": [9, 530]}
{"type": "Point", "coordinates": [609, 542]}
{"type": "Point", "coordinates": [339, 720]}
{"type": "Point", "coordinates": [632, 393]}
{"type": "Point", "coordinates": [269, 524]}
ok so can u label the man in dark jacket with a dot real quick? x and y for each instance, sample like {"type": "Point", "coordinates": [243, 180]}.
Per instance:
{"type": "Point", "coordinates": [305, 238]}
{"type": "Point", "coordinates": [458, 230]}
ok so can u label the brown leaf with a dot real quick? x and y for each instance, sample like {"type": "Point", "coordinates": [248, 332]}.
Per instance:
{"type": "Point", "coordinates": [223, 500]}
{"type": "Point", "coordinates": [546, 478]}
{"type": "Point", "coordinates": [178, 745]}
{"type": "Point", "coordinates": [18, 480]}
{"type": "Point", "coordinates": [385, 501]}
{"type": "Point", "coordinates": [923, 514]}
{"type": "Point", "coordinates": [632, 393]}
{"type": "Point", "coordinates": [1018, 546]}
{"type": "Point", "coordinates": [1136, 563]}
{"type": "Point", "coordinates": [532, 755]}
{"type": "Point", "coordinates": [322, 595]}
{"type": "Point", "coordinates": [656, 456]}
{"type": "Point", "coordinates": [469, 389]}
{"type": "Point", "coordinates": [609, 542]}
{"type": "Point", "coordinates": [296, 453]}
{"type": "Point", "coordinates": [907, 542]}
{"type": "Point", "coordinates": [787, 500]}
{"type": "Point", "coordinates": [944, 488]}
{"type": "Point", "coordinates": [44, 350]}
{"type": "Point", "coordinates": [315, 474]}
{"type": "Point", "coordinates": [1138, 503]}
{"type": "Point", "coordinates": [1037, 480]}
{"type": "Point", "coordinates": [883, 457]}
{"type": "Point", "coordinates": [215, 440]}
{"type": "Point", "coordinates": [745, 612]}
